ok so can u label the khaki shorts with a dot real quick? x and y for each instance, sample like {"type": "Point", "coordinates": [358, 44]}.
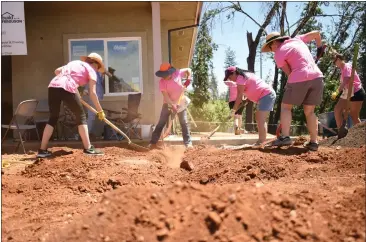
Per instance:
{"type": "Point", "coordinates": [304, 93]}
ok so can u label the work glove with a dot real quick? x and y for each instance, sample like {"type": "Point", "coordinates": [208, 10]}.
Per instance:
{"type": "Point", "coordinates": [187, 82]}
{"type": "Point", "coordinates": [334, 95]}
{"type": "Point", "coordinates": [174, 108]}
{"type": "Point", "coordinates": [232, 113]}
{"type": "Point", "coordinates": [101, 115]}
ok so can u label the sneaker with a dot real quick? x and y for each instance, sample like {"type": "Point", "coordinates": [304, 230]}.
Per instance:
{"type": "Point", "coordinates": [93, 151]}
{"type": "Point", "coordinates": [154, 147]}
{"type": "Point", "coordinates": [43, 153]}
{"type": "Point", "coordinates": [313, 146]}
{"type": "Point", "coordinates": [243, 131]}
{"type": "Point", "coordinates": [257, 144]}
{"type": "Point", "coordinates": [282, 141]}
{"type": "Point", "coordinates": [189, 146]}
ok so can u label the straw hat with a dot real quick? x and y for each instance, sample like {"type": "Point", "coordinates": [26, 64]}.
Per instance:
{"type": "Point", "coordinates": [96, 57]}
{"type": "Point", "coordinates": [270, 38]}
{"type": "Point", "coordinates": [165, 70]}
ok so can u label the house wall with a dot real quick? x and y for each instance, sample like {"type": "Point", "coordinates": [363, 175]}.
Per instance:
{"type": "Point", "coordinates": [49, 24]}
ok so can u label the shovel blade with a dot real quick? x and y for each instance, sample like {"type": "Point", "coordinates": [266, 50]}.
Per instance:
{"type": "Point", "coordinates": [343, 131]}
{"type": "Point", "coordinates": [138, 147]}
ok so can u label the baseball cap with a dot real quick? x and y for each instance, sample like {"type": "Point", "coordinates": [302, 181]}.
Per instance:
{"type": "Point", "coordinates": [229, 71]}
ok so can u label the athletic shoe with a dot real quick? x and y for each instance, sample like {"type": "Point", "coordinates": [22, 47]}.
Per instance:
{"type": "Point", "coordinates": [93, 151]}
{"type": "Point", "coordinates": [189, 146]}
{"type": "Point", "coordinates": [43, 153]}
{"type": "Point", "coordinates": [313, 146]}
{"type": "Point", "coordinates": [282, 141]}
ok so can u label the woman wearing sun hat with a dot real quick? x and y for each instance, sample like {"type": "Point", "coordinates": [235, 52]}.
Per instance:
{"type": "Point", "coordinates": [357, 98]}
{"type": "Point", "coordinates": [305, 81]}
{"type": "Point", "coordinates": [64, 88]}
{"type": "Point", "coordinates": [172, 88]}
{"type": "Point", "coordinates": [257, 91]}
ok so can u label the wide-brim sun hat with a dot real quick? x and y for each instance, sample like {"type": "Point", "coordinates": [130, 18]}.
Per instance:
{"type": "Point", "coordinates": [165, 70]}
{"type": "Point", "coordinates": [229, 71]}
{"type": "Point", "coordinates": [96, 57]}
{"type": "Point", "coordinates": [270, 38]}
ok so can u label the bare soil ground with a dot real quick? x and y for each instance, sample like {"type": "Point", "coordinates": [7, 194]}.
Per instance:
{"type": "Point", "coordinates": [286, 194]}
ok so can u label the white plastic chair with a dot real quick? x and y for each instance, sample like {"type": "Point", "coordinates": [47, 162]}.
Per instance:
{"type": "Point", "coordinates": [23, 119]}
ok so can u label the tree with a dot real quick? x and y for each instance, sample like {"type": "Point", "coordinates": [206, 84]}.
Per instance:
{"type": "Point", "coordinates": [213, 86]}
{"type": "Point", "coordinates": [362, 59]}
{"type": "Point", "coordinates": [202, 63]}
{"type": "Point", "coordinates": [230, 58]}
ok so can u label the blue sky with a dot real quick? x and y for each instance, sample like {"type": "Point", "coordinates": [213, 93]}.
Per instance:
{"type": "Point", "coordinates": [233, 34]}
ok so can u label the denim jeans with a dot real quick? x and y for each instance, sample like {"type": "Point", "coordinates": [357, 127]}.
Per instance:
{"type": "Point", "coordinates": [164, 117]}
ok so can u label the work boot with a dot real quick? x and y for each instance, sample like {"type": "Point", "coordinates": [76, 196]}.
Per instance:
{"type": "Point", "coordinates": [237, 131]}
{"type": "Point", "coordinates": [43, 153]}
{"type": "Point", "coordinates": [154, 147]}
{"type": "Point", "coordinates": [282, 141]}
{"type": "Point", "coordinates": [313, 146]}
{"type": "Point", "coordinates": [93, 151]}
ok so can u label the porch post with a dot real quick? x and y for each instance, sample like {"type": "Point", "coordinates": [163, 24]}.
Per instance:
{"type": "Point", "coordinates": [157, 53]}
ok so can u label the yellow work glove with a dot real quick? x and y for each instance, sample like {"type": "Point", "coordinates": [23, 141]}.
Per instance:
{"type": "Point", "coordinates": [334, 95]}
{"type": "Point", "coordinates": [101, 115]}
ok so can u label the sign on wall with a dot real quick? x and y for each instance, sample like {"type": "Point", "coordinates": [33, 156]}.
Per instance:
{"type": "Point", "coordinates": [13, 38]}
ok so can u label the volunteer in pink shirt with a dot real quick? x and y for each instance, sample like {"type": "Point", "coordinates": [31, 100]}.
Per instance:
{"type": "Point", "coordinates": [238, 119]}
{"type": "Point", "coordinates": [257, 91]}
{"type": "Point", "coordinates": [305, 81]}
{"type": "Point", "coordinates": [172, 88]}
{"type": "Point", "coordinates": [358, 93]}
{"type": "Point", "coordinates": [64, 88]}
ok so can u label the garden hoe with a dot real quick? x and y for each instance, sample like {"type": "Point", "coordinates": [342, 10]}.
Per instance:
{"type": "Point", "coordinates": [343, 130]}
{"type": "Point", "coordinates": [132, 145]}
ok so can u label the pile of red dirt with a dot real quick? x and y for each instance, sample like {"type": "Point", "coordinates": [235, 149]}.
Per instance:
{"type": "Point", "coordinates": [356, 137]}
{"type": "Point", "coordinates": [286, 194]}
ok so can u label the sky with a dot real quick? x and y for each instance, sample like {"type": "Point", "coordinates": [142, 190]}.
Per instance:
{"type": "Point", "coordinates": [233, 34]}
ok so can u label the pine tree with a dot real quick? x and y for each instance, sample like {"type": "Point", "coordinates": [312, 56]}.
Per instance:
{"type": "Point", "coordinates": [202, 63]}
{"type": "Point", "coordinates": [230, 58]}
{"type": "Point", "coordinates": [213, 85]}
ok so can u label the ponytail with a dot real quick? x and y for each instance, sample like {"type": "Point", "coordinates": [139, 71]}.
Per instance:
{"type": "Point", "coordinates": [242, 72]}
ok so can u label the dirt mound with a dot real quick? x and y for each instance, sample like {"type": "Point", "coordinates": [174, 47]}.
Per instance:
{"type": "Point", "coordinates": [244, 195]}
{"type": "Point", "coordinates": [190, 212]}
{"type": "Point", "coordinates": [356, 137]}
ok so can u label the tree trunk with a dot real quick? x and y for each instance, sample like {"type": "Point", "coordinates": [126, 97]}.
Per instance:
{"type": "Point", "coordinates": [275, 86]}
{"type": "Point", "coordinates": [252, 45]}
{"type": "Point", "coordinates": [283, 82]}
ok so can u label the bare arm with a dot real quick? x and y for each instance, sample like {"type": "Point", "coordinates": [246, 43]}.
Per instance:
{"type": "Point", "coordinates": [239, 97]}
{"type": "Point", "coordinates": [314, 35]}
{"type": "Point", "coordinates": [286, 68]}
{"type": "Point", "coordinates": [58, 71]}
{"type": "Point", "coordinates": [188, 72]}
{"type": "Point", "coordinates": [93, 95]}
{"type": "Point", "coordinates": [344, 83]}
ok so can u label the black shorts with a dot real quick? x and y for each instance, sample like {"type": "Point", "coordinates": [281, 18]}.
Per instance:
{"type": "Point", "coordinates": [239, 111]}
{"type": "Point", "coordinates": [359, 96]}
{"type": "Point", "coordinates": [58, 95]}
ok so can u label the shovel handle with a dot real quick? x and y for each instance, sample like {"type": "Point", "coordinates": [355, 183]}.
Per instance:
{"type": "Point", "coordinates": [105, 120]}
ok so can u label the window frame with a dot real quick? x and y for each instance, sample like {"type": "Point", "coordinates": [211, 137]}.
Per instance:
{"type": "Point", "coordinates": [105, 60]}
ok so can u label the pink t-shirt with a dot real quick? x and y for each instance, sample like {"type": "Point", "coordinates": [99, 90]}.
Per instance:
{"type": "Point", "coordinates": [346, 72]}
{"type": "Point", "coordinates": [297, 55]}
{"type": "Point", "coordinates": [174, 86]}
{"type": "Point", "coordinates": [233, 90]}
{"type": "Point", "coordinates": [254, 87]}
{"type": "Point", "coordinates": [74, 74]}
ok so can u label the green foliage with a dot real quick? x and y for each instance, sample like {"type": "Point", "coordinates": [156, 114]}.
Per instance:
{"type": "Point", "coordinates": [212, 111]}
{"type": "Point", "coordinates": [202, 63]}
{"type": "Point", "coordinates": [213, 86]}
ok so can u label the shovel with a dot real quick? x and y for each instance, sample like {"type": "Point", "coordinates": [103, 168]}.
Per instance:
{"type": "Point", "coordinates": [343, 130]}
{"type": "Point", "coordinates": [132, 145]}
{"type": "Point", "coordinates": [242, 104]}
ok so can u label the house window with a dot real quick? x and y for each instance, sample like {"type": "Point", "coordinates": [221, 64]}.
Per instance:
{"type": "Point", "coordinates": [122, 58]}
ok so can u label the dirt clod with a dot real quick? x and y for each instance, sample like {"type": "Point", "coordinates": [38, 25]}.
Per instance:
{"type": "Point", "coordinates": [187, 165]}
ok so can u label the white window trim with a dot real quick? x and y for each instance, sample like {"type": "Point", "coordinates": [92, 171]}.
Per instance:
{"type": "Point", "coordinates": [118, 94]}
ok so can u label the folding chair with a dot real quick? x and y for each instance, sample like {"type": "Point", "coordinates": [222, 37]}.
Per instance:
{"type": "Point", "coordinates": [23, 119]}
{"type": "Point", "coordinates": [128, 120]}
{"type": "Point", "coordinates": [67, 121]}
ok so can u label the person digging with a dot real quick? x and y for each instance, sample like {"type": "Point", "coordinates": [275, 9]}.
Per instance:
{"type": "Point", "coordinates": [305, 81]}
{"type": "Point", "coordinates": [257, 91]}
{"type": "Point", "coordinates": [64, 88]}
{"type": "Point", "coordinates": [171, 88]}
{"type": "Point", "coordinates": [357, 97]}
{"type": "Point", "coordinates": [238, 118]}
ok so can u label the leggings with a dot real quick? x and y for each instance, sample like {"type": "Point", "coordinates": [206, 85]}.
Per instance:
{"type": "Point", "coordinates": [58, 95]}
